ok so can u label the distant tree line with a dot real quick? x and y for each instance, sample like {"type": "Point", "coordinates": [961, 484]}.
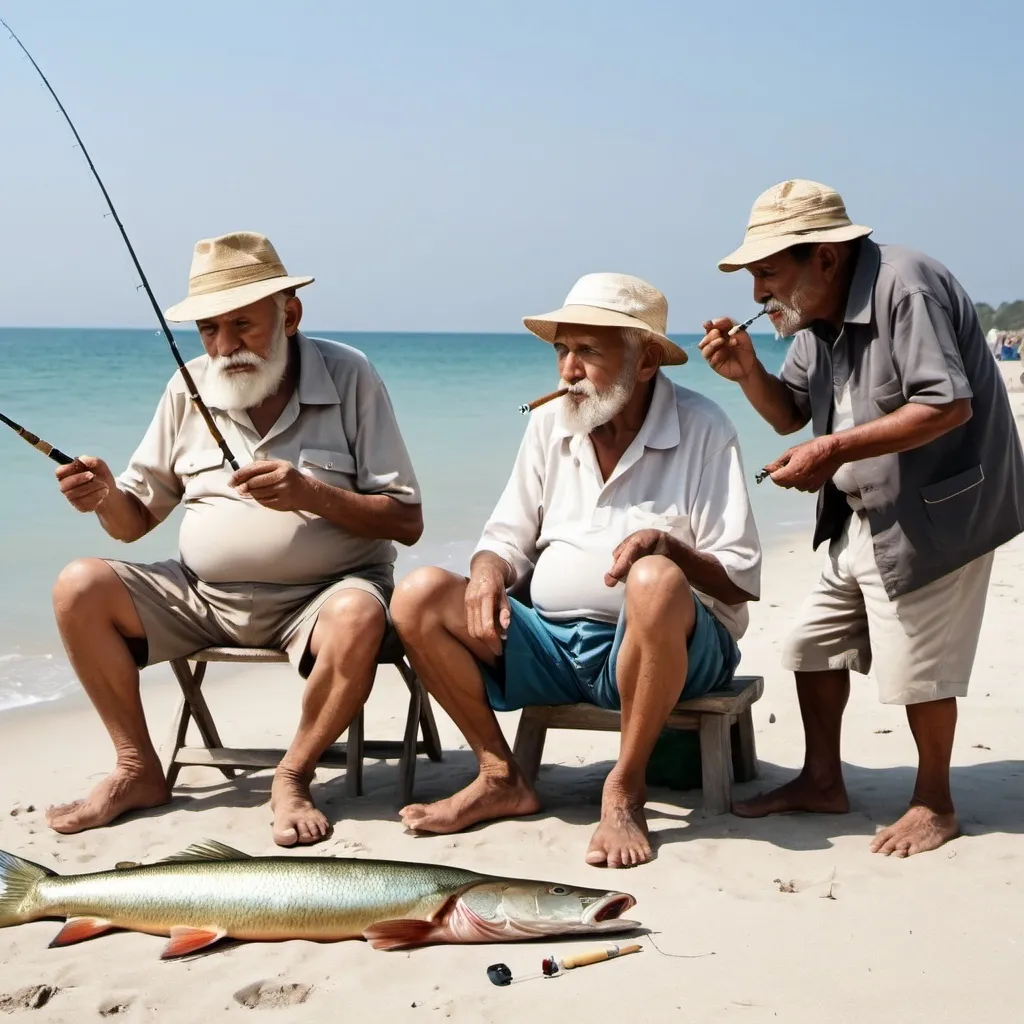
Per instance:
{"type": "Point", "coordinates": [1009, 316]}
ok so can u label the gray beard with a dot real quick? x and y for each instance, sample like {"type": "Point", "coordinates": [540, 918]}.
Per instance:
{"type": "Point", "coordinates": [236, 392]}
{"type": "Point", "coordinates": [583, 417]}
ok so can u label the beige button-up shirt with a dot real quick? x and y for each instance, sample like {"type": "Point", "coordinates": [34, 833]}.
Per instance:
{"type": "Point", "coordinates": [339, 426]}
{"type": "Point", "coordinates": [683, 473]}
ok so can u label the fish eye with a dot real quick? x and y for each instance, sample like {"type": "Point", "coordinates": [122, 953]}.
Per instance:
{"type": "Point", "coordinates": [558, 890]}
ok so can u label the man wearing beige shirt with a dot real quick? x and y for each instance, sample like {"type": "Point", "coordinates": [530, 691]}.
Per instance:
{"type": "Point", "coordinates": [293, 550]}
{"type": "Point", "coordinates": [627, 505]}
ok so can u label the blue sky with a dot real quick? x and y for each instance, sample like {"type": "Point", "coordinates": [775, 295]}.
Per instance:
{"type": "Point", "coordinates": [456, 165]}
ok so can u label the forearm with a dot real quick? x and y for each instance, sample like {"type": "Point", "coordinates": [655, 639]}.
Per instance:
{"type": "Point", "coordinates": [706, 573]}
{"type": "Point", "coordinates": [376, 516]}
{"type": "Point", "coordinates": [911, 426]}
{"type": "Point", "coordinates": [489, 561]}
{"type": "Point", "coordinates": [772, 400]}
{"type": "Point", "coordinates": [124, 517]}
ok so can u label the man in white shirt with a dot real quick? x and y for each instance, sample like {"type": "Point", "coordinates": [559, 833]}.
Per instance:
{"type": "Point", "coordinates": [628, 504]}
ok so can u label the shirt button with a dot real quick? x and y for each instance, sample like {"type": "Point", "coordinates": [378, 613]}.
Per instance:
{"type": "Point", "coordinates": [837, 381]}
{"type": "Point", "coordinates": [330, 465]}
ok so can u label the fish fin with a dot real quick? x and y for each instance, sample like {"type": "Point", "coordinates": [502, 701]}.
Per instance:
{"type": "Point", "coordinates": [78, 929]}
{"type": "Point", "coordinates": [402, 933]}
{"type": "Point", "coordinates": [209, 849]}
{"type": "Point", "coordinates": [18, 879]}
{"type": "Point", "coordinates": [187, 940]}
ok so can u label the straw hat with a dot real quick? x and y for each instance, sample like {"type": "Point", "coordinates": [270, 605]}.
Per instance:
{"type": "Point", "coordinates": [612, 300]}
{"type": "Point", "coordinates": [229, 272]}
{"type": "Point", "coordinates": [791, 213]}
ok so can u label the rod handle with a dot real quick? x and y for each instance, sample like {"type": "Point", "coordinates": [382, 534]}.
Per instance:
{"type": "Point", "coordinates": [596, 956]}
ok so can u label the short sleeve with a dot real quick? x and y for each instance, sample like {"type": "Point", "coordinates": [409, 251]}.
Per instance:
{"type": "Point", "coordinates": [794, 372]}
{"type": "Point", "coordinates": [383, 464]}
{"type": "Point", "coordinates": [149, 475]}
{"type": "Point", "coordinates": [513, 528]}
{"type": "Point", "coordinates": [723, 520]}
{"type": "Point", "coordinates": [926, 353]}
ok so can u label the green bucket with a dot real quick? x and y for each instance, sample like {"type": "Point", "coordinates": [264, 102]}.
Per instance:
{"type": "Point", "coordinates": [675, 761]}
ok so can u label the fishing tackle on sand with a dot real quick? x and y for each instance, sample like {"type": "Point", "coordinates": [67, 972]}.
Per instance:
{"type": "Point", "coordinates": [40, 445]}
{"type": "Point", "coordinates": [186, 376]}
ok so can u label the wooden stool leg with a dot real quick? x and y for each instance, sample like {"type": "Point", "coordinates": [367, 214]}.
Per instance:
{"type": "Point", "coordinates": [431, 740]}
{"type": "Point", "coordinates": [529, 745]}
{"type": "Point", "coordinates": [410, 743]}
{"type": "Point", "coordinates": [354, 757]}
{"type": "Point", "coordinates": [744, 751]}
{"type": "Point", "coordinates": [174, 742]}
{"type": "Point", "coordinates": [190, 682]}
{"type": "Point", "coordinates": [715, 764]}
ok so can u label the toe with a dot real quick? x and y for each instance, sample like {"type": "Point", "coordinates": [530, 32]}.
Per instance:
{"type": "Point", "coordinates": [286, 837]}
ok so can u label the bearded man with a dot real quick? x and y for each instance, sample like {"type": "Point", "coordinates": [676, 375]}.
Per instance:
{"type": "Point", "coordinates": [918, 467]}
{"type": "Point", "coordinates": [627, 503]}
{"type": "Point", "coordinates": [293, 550]}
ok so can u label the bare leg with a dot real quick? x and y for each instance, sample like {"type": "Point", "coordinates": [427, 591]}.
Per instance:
{"type": "Point", "coordinates": [95, 613]}
{"type": "Point", "coordinates": [819, 787]}
{"type": "Point", "coordinates": [428, 610]}
{"type": "Point", "coordinates": [650, 671]}
{"type": "Point", "coordinates": [345, 642]}
{"type": "Point", "coordinates": [931, 820]}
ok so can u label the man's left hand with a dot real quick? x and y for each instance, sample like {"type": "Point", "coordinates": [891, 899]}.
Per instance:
{"type": "Point", "coordinates": [636, 545]}
{"type": "Point", "coordinates": [806, 466]}
{"type": "Point", "coordinates": [274, 483]}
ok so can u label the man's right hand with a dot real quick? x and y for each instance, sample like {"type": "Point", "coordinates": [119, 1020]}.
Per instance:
{"type": "Point", "coordinates": [733, 358]}
{"type": "Point", "coordinates": [487, 610]}
{"type": "Point", "coordinates": [86, 483]}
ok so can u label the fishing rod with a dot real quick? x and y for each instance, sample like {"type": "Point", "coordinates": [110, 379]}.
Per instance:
{"type": "Point", "coordinates": [43, 446]}
{"type": "Point", "coordinates": [189, 382]}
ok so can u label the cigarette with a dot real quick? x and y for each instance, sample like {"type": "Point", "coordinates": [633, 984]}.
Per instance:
{"type": "Point", "coordinates": [543, 400]}
{"type": "Point", "coordinates": [746, 323]}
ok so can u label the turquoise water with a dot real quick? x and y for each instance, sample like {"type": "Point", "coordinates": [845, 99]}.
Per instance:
{"type": "Point", "coordinates": [457, 399]}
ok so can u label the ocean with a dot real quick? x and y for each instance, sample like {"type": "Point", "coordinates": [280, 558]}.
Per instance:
{"type": "Point", "coordinates": [457, 398]}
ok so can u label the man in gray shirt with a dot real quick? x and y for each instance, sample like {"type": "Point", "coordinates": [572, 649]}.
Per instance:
{"type": "Point", "coordinates": [918, 468]}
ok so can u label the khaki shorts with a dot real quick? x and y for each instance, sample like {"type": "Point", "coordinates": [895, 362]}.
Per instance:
{"type": "Point", "coordinates": [921, 644]}
{"type": "Point", "coordinates": [181, 614]}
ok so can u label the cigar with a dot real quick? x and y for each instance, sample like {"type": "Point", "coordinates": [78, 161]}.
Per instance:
{"type": "Point", "coordinates": [543, 400]}
{"type": "Point", "coordinates": [746, 323]}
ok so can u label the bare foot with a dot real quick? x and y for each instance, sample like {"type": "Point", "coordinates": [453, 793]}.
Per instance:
{"type": "Point", "coordinates": [121, 791]}
{"type": "Point", "coordinates": [484, 799]}
{"type": "Point", "coordinates": [296, 817]}
{"type": "Point", "coordinates": [621, 840]}
{"type": "Point", "coordinates": [919, 830]}
{"type": "Point", "coordinates": [802, 794]}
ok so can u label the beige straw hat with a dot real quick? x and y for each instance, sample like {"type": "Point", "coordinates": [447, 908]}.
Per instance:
{"type": "Point", "coordinates": [612, 300]}
{"type": "Point", "coordinates": [229, 272]}
{"type": "Point", "coordinates": [791, 213]}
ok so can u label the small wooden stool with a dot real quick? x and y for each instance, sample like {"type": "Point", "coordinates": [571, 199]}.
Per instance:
{"type": "Point", "coordinates": [723, 719]}
{"type": "Point", "coordinates": [349, 755]}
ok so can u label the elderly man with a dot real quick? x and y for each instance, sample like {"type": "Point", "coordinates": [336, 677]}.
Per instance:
{"type": "Point", "coordinates": [919, 473]}
{"type": "Point", "coordinates": [291, 551]}
{"type": "Point", "coordinates": [627, 503]}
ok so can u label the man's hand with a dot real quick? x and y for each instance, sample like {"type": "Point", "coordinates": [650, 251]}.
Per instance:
{"type": "Point", "coordinates": [86, 483]}
{"type": "Point", "coordinates": [807, 466]}
{"type": "Point", "coordinates": [487, 611]}
{"type": "Point", "coordinates": [274, 483]}
{"type": "Point", "coordinates": [732, 358]}
{"type": "Point", "coordinates": [636, 545]}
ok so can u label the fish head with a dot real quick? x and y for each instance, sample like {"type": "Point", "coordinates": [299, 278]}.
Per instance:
{"type": "Point", "coordinates": [506, 909]}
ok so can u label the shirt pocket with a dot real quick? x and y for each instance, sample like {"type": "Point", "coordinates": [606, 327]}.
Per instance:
{"type": "Point", "coordinates": [888, 397]}
{"type": "Point", "coordinates": [950, 503]}
{"type": "Point", "coordinates": [198, 472]}
{"type": "Point", "coordinates": [329, 466]}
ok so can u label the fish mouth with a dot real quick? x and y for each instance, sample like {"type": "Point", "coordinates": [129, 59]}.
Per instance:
{"type": "Point", "coordinates": [609, 909]}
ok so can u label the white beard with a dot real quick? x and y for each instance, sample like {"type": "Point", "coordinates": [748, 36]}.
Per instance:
{"type": "Point", "coordinates": [235, 392]}
{"type": "Point", "coordinates": [585, 415]}
{"type": "Point", "coordinates": [793, 317]}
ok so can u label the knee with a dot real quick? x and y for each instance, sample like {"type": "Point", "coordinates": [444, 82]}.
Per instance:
{"type": "Point", "coordinates": [351, 623]}
{"type": "Point", "coordinates": [83, 584]}
{"type": "Point", "coordinates": [655, 588]}
{"type": "Point", "coordinates": [424, 590]}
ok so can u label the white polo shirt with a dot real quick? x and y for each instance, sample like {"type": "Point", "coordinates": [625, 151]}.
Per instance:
{"type": "Point", "coordinates": [683, 474]}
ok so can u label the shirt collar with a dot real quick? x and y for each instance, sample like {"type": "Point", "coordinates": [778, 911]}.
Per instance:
{"type": "Point", "coordinates": [862, 287]}
{"type": "Point", "coordinates": [316, 385]}
{"type": "Point", "coordinates": [660, 428]}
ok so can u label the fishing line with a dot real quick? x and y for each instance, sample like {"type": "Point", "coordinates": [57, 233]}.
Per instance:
{"type": "Point", "coordinates": [680, 956]}
{"type": "Point", "coordinates": [186, 376]}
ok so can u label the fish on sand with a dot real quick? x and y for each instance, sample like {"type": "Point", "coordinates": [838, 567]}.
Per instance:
{"type": "Point", "coordinates": [210, 891]}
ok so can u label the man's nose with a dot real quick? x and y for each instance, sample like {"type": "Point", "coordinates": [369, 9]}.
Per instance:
{"type": "Point", "coordinates": [226, 344]}
{"type": "Point", "coordinates": [572, 368]}
{"type": "Point", "coordinates": [761, 293]}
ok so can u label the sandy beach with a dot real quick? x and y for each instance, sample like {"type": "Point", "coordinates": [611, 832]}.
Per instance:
{"type": "Point", "coordinates": [936, 937]}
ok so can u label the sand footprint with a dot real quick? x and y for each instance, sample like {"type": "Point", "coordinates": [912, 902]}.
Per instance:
{"type": "Point", "coordinates": [32, 997]}
{"type": "Point", "coordinates": [266, 995]}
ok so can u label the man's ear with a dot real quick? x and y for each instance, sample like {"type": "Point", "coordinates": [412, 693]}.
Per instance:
{"type": "Point", "coordinates": [829, 259]}
{"type": "Point", "coordinates": [292, 314]}
{"type": "Point", "coordinates": [650, 361]}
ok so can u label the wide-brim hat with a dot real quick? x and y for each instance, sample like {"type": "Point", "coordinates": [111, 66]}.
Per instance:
{"type": "Point", "coordinates": [792, 213]}
{"type": "Point", "coordinates": [612, 300]}
{"type": "Point", "coordinates": [229, 272]}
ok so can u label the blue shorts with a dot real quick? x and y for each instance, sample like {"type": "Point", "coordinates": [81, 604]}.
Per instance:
{"type": "Point", "coordinates": [545, 663]}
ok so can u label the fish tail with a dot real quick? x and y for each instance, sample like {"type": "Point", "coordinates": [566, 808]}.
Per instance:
{"type": "Point", "coordinates": [18, 881]}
